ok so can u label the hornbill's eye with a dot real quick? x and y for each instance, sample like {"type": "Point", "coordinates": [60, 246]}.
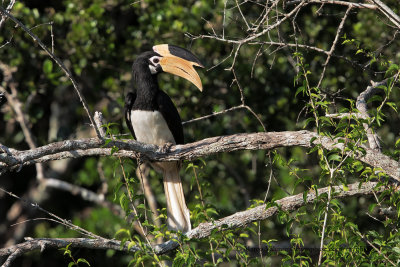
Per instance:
{"type": "Point", "coordinates": [155, 60]}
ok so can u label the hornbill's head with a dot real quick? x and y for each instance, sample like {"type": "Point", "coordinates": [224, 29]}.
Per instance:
{"type": "Point", "coordinates": [171, 59]}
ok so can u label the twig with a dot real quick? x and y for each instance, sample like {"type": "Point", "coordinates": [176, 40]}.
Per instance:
{"type": "Point", "coordinates": [142, 171]}
{"type": "Point", "coordinates": [324, 224]}
{"type": "Point", "coordinates": [334, 44]}
{"type": "Point", "coordinates": [57, 218]}
{"type": "Point", "coordinates": [241, 13]}
{"type": "Point", "coordinates": [376, 249]}
{"type": "Point", "coordinates": [243, 100]}
{"type": "Point", "coordinates": [213, 114]}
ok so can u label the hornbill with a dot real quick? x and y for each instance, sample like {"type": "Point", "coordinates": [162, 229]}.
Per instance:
{"type": "Point", "coordinates": [152, 118]}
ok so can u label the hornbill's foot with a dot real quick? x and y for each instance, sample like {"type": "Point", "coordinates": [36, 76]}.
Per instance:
{"type": "Point", "coordinates": [165, 148]}
{"type": "Point", "coordinates": [140, 158]}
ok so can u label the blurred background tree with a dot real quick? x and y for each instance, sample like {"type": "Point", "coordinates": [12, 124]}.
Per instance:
{"type": "Point", "coordinates": [98, 41]}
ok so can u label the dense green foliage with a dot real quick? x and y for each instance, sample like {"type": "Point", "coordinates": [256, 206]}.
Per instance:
{"type": "Point", "coordinates": [98, 41]}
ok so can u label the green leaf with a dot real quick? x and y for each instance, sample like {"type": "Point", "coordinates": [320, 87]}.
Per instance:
{"type": "Point", "coordinates": [372, 207]}
{"type": "Point", "coordinates": [392, 68]}
{"type": "Point", "coordinates": [397, 143]}
{"type": "Point", "coordinates": [334, 157]}
{"type": "Point", "coordinates": [359, 51]}
{"type": "Point", "coordinates": [122, 234]}
{"type": "Point", "coordinates": [83, 260]}
{"type": "Point", "coordinates": [47, 66]}
{"type": "Point", "coordinates": [345, 187]}
{"type": "Point", "coordinates": [244, 235]}
{"type": "Point", "coordinates": [141, 206]}
{"type": "Point", "coordinates": [300, 89]}
{"type": "Point", "coordinates": [396, 250]}
{"type": "Point", "coordinates": [305, 193]}
{"type": "Point", "coordinates": [392, 105]}
{"type": "Point", "coordinates": [123, 201]}
{"type": "Point", "coordinates": [132, 244]}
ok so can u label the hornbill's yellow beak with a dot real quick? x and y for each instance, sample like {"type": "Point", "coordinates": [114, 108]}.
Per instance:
{"type": "Point", "coordinates": [179, 61]}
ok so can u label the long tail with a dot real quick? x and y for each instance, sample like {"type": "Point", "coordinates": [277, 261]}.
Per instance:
{"type": "Point", "coordinates": [177, 211]}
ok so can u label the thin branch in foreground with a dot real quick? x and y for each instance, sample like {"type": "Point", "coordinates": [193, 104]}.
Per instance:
{"type": "Point", "coordinates": [57, 218]}
{"type": "Point", "coordinates": [213, 114]}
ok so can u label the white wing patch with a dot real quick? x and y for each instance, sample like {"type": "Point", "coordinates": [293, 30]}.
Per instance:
{"type": "Point", "coordinates": [150, 127]}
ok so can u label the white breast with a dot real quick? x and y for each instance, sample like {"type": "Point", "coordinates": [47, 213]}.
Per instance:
{"type": "Point", "coordinates": [151, 128]}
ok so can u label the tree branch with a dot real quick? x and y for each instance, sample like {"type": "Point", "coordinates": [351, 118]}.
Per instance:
{"type": "Point", "coordinates": [206, 147]}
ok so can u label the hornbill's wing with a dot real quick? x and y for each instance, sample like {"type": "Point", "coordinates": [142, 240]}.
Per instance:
{"type": "Point", "coordinates": [129, 100]}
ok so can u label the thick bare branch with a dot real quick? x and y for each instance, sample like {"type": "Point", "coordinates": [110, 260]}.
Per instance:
{"type": "Point", "coordinates": [206, 147]}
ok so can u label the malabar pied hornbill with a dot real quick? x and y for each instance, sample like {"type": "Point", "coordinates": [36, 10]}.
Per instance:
{"type": "Point", "coordinates": [152, 118]}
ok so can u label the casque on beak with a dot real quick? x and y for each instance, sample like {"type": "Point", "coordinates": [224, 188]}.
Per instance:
{"type": "Point", "coordinates": [179, 61]}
